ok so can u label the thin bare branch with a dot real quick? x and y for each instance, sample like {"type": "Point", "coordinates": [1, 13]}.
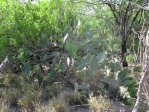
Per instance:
{"type": "Point", "coordinates": [145, 72]}
{"type": "Point", "coordinates": [137, 13]}
{"type": "Point", "coordinates": [4, 64]}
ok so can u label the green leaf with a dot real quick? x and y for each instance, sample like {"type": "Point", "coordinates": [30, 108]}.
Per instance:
{"type": "Point", "coordinates": [138, 68]}
{"type": "Point", "coordinates": [133, 87]}
{"type": "Point", "coordinates": [75, 56]}
{"type": "Point", "coordinates": [126, 82]}
{"type": "Point", "coordinates": [89, 74]}
{"type": "Point", "coordinates": [52, 73]}
{"type": "Point", "coordinates": [82, 63]}
{"type": "Point", "coordinates": [76, 23]}
{"type": "Point", "coordinates": [71, 48]}
{"type": "Point", "coordinates": [115, 66]}
{"type": "Point", "coordinates": [88, 58]}
{"type": "Point", "coordinates": [62, 67]}
{"type": "Point", "coordinates": [45, 58]}
{"type": "Point", "coordinates": [101, 57]}
{"type": "Point", "coordinates": [118, 66]}
{"type": "Point", "coordinates": [81, 75]}
{"type": "Point", "coordinates": [26, 69]}
{"type": "Point", "coordinates": [38, 76]}
{"type": "Point", "coordinates": [112, 66]}
{"type": "Point", "coordinates": [85, 86]}
{"type": "Point", "coordinates": [100, 85]}
{"type": "Point", "coordinates": [90, 48]}
{"type": "Point", "coordinates": [122, 74]}
{"type": "Point", "coordinates": [94, 63]}
{"type": "Point", "coordinates": [43, 42]}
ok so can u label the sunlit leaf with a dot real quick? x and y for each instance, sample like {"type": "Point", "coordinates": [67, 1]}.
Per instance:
{"type": "Point", "coordinates": [117, 66]}
{"type": "Point", "coordinates": [71, 48]}
{"type": "Point", "coordinates": [101, 57]}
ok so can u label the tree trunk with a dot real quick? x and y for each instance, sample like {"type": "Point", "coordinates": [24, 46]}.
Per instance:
{"type": "Point", "coordinates": [124, 35]}
{"type": "Point", "coordinates": [123, 52]}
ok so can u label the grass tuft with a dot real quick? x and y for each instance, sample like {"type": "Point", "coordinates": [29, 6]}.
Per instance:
{"type": "Point", "coordinates": [4, 106]}
{"type": "Point", "coordinates": [98, 104]}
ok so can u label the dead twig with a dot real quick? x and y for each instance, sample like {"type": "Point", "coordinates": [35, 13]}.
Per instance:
{"type": "Point", "coordinates": [4, 64]}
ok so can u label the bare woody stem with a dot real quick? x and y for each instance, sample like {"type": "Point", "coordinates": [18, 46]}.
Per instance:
{"type": "Point", "coordinates": [145, 72]}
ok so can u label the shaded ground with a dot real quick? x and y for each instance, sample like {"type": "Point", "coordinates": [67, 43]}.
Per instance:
{"type": "Point", "coordinates": [115, 107]}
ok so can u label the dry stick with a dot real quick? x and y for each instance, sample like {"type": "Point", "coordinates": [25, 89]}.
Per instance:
{"type": "Point", "coordinates": [137, 104]}
{"type": "Point", "coordinates": [4, 64]}
{"type": "Point", "coordinates": [145, 72]}
{"type": "Point", "coordinates": [146, 92]}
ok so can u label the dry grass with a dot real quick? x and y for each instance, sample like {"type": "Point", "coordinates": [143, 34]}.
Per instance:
{"type": "Point", "coordinates": [98, 104]}
{"type": "Point", "coordinates": [30, 97]}
{"type": "Point", "coordinates": [52, 106]}
{"type": "Point", "coordinates": [4, 106]}
{"type": "Point", "coordinates": [11, 95]}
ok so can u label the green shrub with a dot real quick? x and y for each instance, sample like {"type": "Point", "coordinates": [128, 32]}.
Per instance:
{"type": "Point", "coordinates": [24, 26]}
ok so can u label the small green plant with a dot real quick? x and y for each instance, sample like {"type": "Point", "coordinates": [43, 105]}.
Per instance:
{"type": "Point", "coordinates": [98, 104]}
{"type": "Point", "coordinates": [131, 58]}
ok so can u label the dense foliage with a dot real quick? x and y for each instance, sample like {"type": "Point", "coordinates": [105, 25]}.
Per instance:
{"type": "Point", "coordinates": [62, 40]}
